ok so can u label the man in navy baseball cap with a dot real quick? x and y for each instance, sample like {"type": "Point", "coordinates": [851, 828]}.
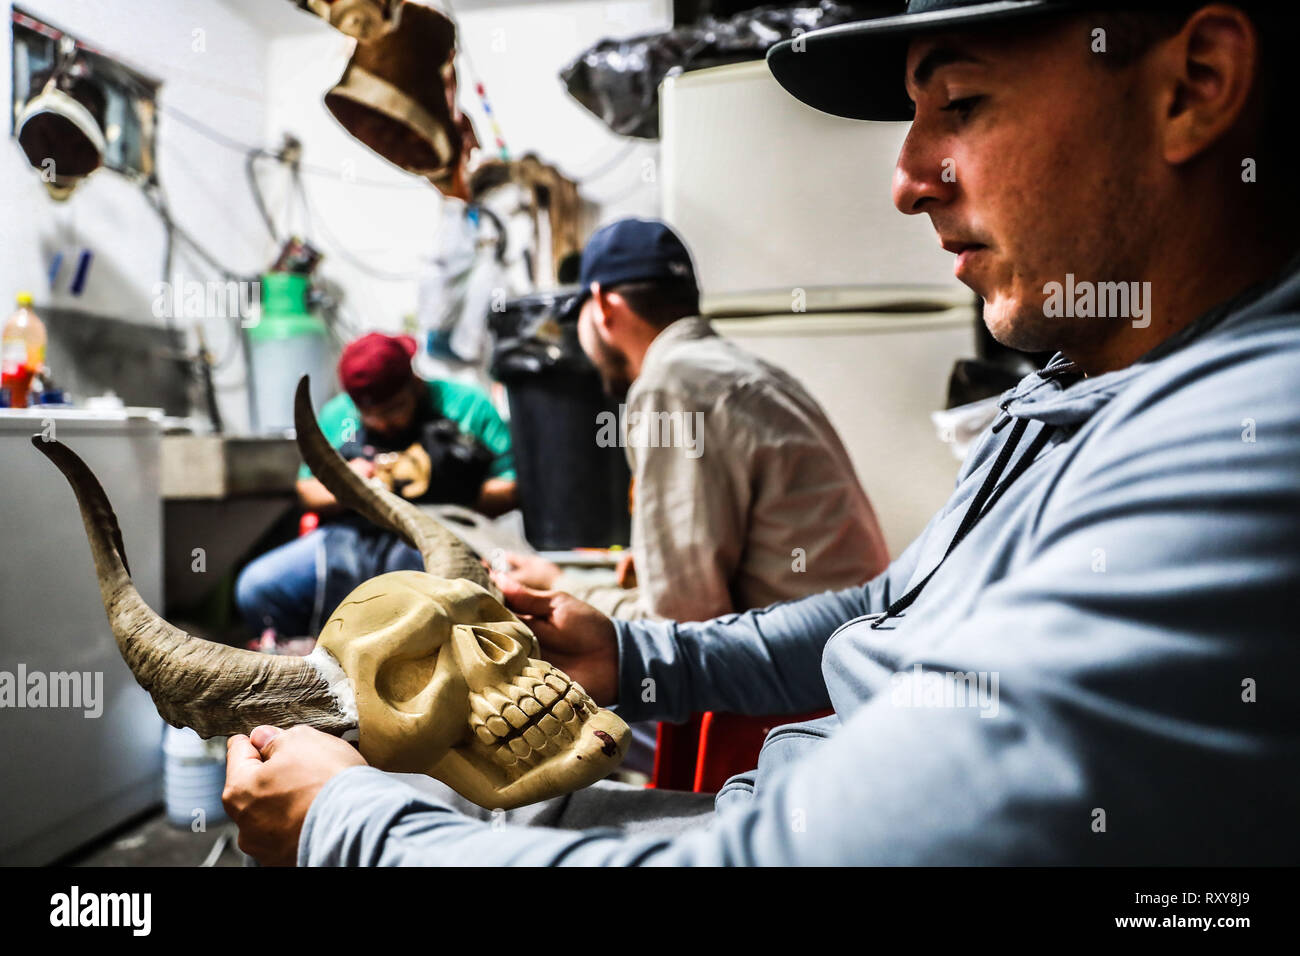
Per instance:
{"type": "Point", "coordinates": [636, 279]}
{"type": "Point", "coordinates": [632, 250]}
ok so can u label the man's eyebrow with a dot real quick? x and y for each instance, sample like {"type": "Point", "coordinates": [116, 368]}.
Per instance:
{"type": "Point", "coordinates": [938, 57]}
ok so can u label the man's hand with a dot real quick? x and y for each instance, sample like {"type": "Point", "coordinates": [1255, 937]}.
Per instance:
{"type": "Point", "coordinates": [271, 779]}
{"type": "Point", "coordinates": [532, 570]}
{"type": "Point", "coordinates": [363, 467]}
{"type": "Point", "coordinates": [497, 496]}
{"type": "Point", "coordinates": [314, 496]}
{"type": "Point", "coordinates": [574, 636]}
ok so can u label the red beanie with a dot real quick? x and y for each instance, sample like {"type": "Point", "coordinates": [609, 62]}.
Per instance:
{"type": "Point", "coordinates": [375, 367]}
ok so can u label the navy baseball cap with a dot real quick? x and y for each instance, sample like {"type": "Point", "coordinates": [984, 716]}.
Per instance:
{"type": "Point", "coordinates": [856, 69]}
{"type": "Point", "coordinates": [630, 250]}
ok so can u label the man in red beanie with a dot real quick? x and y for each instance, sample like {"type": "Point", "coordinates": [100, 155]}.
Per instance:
{"type": "Point", "coordinates": [434, 442]}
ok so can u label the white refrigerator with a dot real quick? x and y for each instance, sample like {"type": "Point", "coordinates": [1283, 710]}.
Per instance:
{"type": "Point", "coordinates": [79, 739]}
{"type": "Point", "coordinates": [803, 259]}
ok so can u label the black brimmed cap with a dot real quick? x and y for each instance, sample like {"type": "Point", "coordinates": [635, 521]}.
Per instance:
{"type": "Point", "coordinates": [856, 69]}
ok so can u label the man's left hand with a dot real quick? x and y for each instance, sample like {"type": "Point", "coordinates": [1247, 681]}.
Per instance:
{"type": "Point", "coordinates": [272, 777]}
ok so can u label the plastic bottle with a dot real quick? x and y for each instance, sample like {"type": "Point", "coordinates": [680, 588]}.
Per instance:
{"type": "Point", "coordinates": [22, 350]}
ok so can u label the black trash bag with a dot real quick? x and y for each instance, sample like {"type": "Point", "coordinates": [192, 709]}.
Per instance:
{"type": "Point", "coordinates": [573, 492]}
{"type": "Point", "coordinates": [618, 80]}
{"type": "Point", "coordinates": [973, 380]}
{"type": "Point", "coordinates": [530, 339]}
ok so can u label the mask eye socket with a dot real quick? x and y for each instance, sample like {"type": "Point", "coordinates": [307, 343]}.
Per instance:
{"type": "Point", "coordinates": [401, 681]}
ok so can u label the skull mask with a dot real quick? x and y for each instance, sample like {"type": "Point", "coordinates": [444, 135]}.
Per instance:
{"type": "Point", "coordinates": [430, 670]}
{"type": "Point", "coordinates": [445, 685]}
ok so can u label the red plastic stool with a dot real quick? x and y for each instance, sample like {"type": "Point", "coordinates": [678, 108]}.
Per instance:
{"type": "Point", "coordinates": [701, 754]}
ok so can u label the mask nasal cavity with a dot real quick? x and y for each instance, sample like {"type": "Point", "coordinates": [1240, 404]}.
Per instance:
{"type": "Point", "coordinates": [497, 647]}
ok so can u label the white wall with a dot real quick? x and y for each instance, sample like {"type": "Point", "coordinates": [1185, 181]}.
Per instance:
{"type": "Point", "coordinates": [363, 210]}
{"type": "Point", "coordinates": [518, 51]}
{"type": "Point", "coordinates": [263, 70]}
{"type": "Point", "coordinates": [377, 218]}
{"type": "Point", "coordinates": [224, 85]}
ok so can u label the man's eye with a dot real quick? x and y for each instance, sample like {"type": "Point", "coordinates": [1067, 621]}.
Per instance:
{"type": "Point", "coordinates": [962, 106]}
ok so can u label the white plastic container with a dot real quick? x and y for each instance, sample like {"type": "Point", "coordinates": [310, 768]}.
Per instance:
{"type": "Point", "coordinates": [194, 774]}
{"type": "Point", "coordinates": [277, 365]}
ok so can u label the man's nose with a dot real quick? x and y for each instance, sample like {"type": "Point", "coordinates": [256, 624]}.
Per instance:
{"type": "Point", "coordinates": [923, 178]}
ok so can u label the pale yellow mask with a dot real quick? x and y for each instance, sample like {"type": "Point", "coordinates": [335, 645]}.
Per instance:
{"type": "Point", "coordinates": [448, 683]}
{"type": "Point", "coordinates": [427, 669]}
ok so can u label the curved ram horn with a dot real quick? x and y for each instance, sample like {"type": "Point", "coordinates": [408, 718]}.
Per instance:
{"type": "Point", "coordinates": [215, 689]}
{"type": "Point", "coordinates": [445, 555]}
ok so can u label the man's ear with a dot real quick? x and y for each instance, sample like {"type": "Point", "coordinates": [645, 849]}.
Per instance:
{"type": "Point", "coordinates": [1213, 63]}
{"type": "Point", "coordinates": [603, 313]}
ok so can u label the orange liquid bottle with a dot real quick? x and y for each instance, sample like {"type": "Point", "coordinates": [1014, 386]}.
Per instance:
{"type": "Point", "coordinates": [22, 351]}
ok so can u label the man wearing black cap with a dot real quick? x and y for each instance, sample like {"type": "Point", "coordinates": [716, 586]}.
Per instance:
{"type": "Point", "coordinates": [744, 494]}
{"type": "Point", "coordinates": [1086, 655]}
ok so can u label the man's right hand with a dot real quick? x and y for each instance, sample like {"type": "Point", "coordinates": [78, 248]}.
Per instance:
{"type": "Point", "coordinates": [314, 496]}
{"type": "Point", "coordinates": [363, 467]}
{"type": "Point", "coordinates": [575, 637]}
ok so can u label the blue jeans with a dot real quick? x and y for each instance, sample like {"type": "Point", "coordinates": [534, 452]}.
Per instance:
{"type": "Point", "coordinates": [296, 587]}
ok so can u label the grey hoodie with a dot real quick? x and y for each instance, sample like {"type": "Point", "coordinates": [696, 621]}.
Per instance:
{"type": "Point", "coordinates": [1102, 671]}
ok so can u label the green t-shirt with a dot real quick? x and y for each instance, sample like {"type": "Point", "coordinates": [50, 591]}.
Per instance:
{"type": "Point", "coordinates": [465, 405]}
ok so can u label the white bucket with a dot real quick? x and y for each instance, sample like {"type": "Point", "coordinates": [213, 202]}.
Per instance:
{"type": "Point", "coordinates": [194, 774]}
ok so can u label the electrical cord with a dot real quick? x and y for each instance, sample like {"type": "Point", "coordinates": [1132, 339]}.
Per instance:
{"type": "Point", "coordinates": [259, 200]}
{"type": "Point", "coordinates": [347, 256]}
{"type": "Point", "coordinates": [224, 839]}
{"type": "Point", "coordinates": [623, 152]}
{"type": "Point", "coordinates": [221, 139]}
{"type": "Point", "coordinates": [157, 199]}
{"type": "Point", "coordinates": [153, 193]}
{"type": "Point", "coordinates": [254, 153]}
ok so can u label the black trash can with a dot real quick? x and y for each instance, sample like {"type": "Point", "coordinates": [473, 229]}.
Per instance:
{"type": "Point", "coordinates": [573, 493]}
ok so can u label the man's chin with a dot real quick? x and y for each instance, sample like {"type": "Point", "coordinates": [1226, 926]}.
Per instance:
{"type": "Point", "coordinates": [1018, 326]}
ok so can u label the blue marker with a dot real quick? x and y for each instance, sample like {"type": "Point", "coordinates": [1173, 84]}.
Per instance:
{"type": "Point", "coordinates": [83, 267]}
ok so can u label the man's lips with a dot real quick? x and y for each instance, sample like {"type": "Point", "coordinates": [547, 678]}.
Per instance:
{"type": "Point", "coordinates": [964, 251]}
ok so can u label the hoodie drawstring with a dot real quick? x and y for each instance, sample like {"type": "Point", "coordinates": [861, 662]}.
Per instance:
{"type": "Point", "coordinates": [981, 504]}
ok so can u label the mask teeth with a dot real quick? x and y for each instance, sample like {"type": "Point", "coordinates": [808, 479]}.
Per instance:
{"type": "Point", "coordinates": [535, 716]}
